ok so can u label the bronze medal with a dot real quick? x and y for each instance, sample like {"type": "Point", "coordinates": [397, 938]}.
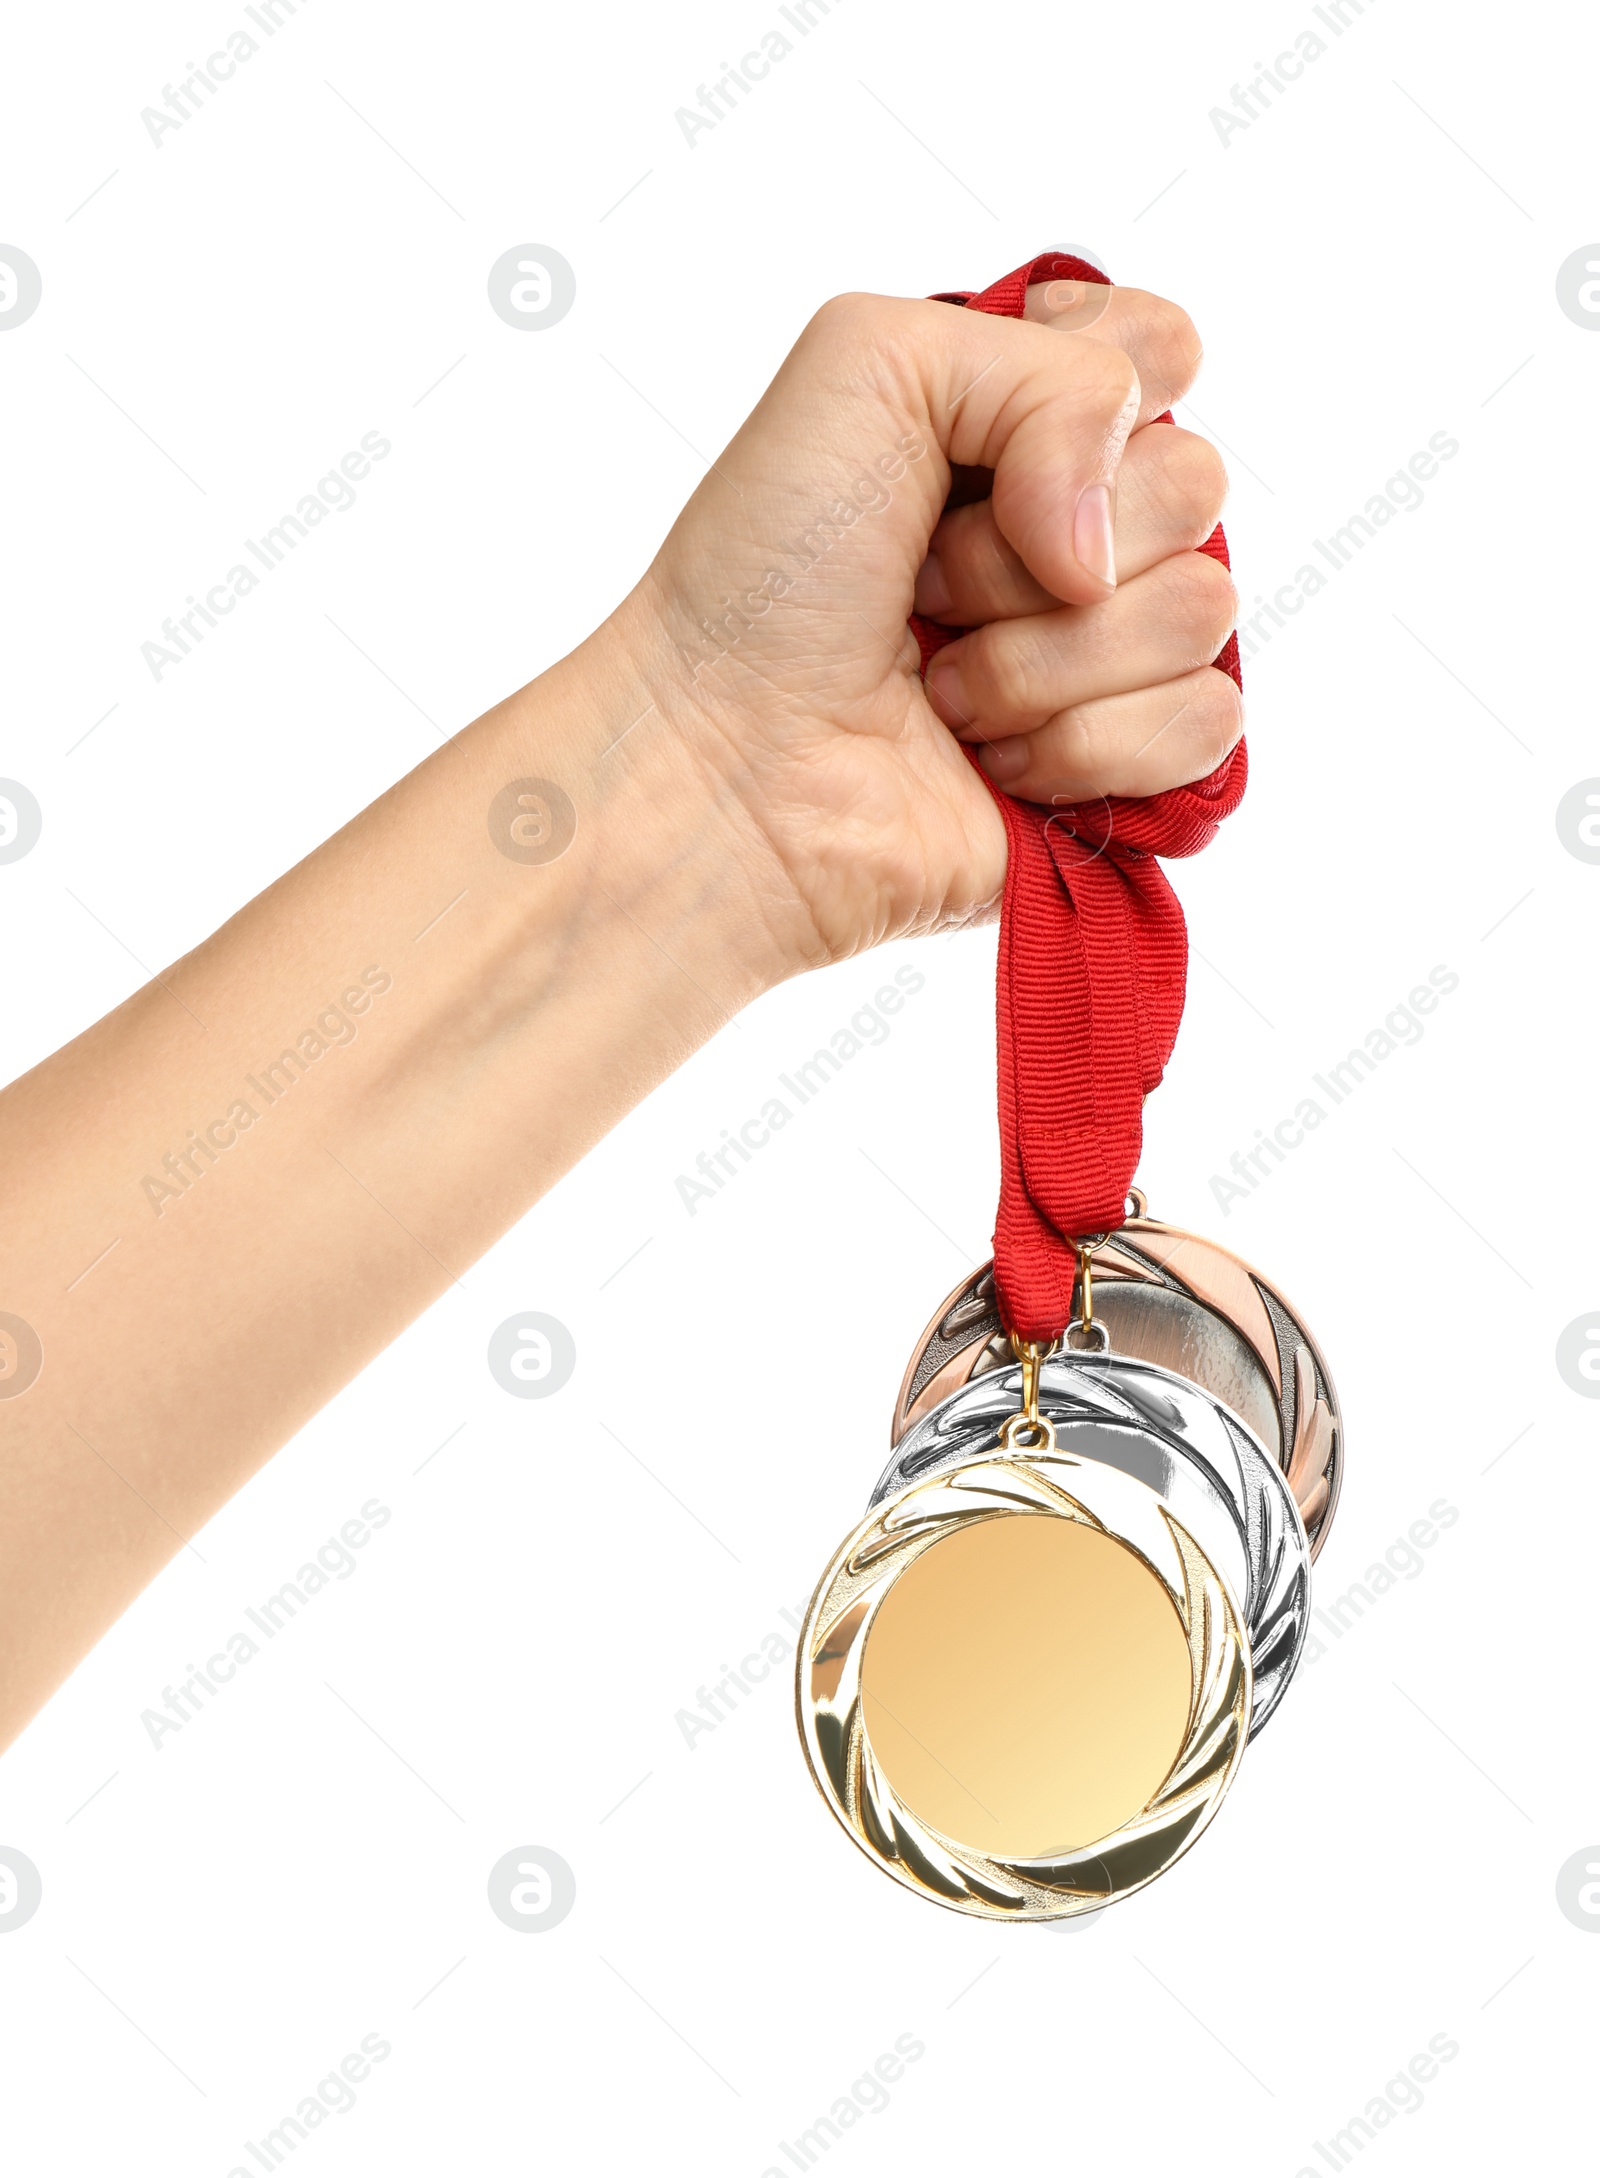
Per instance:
{"type": "Point", "coordinates": [1186, 1304]}
{"type": "Point", "coordinates": [1029, 1673]}
{"type": "Point", "coordinates": [1028, 1676]}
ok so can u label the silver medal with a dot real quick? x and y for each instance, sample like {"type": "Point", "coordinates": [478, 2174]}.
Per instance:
{"type": "Point", "coordinates": [1178, 1440]}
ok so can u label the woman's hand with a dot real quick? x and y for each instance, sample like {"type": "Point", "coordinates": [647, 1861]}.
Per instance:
{"type": "Point", "coordinates": [771, 629]}
{"type": "Point", "coordinates": [400, 1045]}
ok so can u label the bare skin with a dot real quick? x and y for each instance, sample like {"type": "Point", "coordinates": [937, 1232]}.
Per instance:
{"type": "Point", "coordinates": [751, 800]}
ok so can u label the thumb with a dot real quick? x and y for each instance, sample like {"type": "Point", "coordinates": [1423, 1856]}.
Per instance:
{"type": "Point", "coordinates": [1049, 413]}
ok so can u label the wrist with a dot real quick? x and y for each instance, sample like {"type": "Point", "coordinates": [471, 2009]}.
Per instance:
{"type": "Point", "coordinates": [670, 787]}
{"type": "Point", "coordinates": [662, 845]}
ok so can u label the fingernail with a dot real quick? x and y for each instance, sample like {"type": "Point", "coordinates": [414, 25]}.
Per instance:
{"type": "Point", "coordinates": [947, 692]}
{"type": "Point", "coordinates": [1004, 760]}
{"type": "Point", "coordinates": [1092, 537]}
{"type": "Point", "coordinates": [932, 597]}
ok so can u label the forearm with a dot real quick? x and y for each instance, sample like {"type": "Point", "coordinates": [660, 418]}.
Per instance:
{"type": "Point", "coordinates": [225, 1198]}
{"type": "Point", "coordinates": [284, 1176]}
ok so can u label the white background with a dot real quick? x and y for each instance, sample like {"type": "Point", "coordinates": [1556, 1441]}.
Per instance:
{"type": "Point", "coordinates": [226, 1918]}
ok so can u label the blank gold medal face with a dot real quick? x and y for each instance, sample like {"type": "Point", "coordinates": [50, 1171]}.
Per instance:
{"type": "Point", "coordinates": [1022, 1686]}
{"type": "Point", "coordinates": [1026, 1685]}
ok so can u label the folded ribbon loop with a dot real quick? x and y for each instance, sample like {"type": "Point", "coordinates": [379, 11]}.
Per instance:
{"type": "Point", "coordinates": [1092, 967]}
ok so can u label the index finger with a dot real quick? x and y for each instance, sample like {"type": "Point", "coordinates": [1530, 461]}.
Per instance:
{"type": "Point", "coordinates": [1158, 337]}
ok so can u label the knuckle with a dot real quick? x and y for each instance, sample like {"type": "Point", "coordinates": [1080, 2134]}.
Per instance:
{"type": "Point", "coordinates": [1117, 378]}
{"type": "Point", "coordinates": [1074, 747]}
{"type": "Point", "coordinates": [1204, 598]}
{"type": "Point", "coordinates": [1193, 482]}
{"type": "Point", "coordinates": [962, 552]}
{"type": "Point", "coordinates": [1068, 757]}
{"type": "Point", "coordinates": [1008, 671]}
{"type": "Point", "coordinates": [1173, 342]}
{"type": "Point", "coordinates": [988, 569]}
{"type": "Point", "coordinates": [1218, 716]}
{"type": "Point", "coordinates": [849, 319]}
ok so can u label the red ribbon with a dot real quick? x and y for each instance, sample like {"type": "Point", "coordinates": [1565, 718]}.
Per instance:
{"type": "Point", "coordinates": [1093, 962]}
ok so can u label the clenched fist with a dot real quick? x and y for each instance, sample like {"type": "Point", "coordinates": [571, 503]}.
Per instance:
{"type": "Point", "coordinates": [740, 774]}
{"type": "Point", "coordinates": [1003, 477]}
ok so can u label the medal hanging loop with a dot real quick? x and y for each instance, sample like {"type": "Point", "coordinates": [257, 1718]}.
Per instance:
{"type": "Point", "coordinates": [1096, 1336]}
{"type": "Point", "coordinates": [1028, 1430]}
{"type": "Point", "coordinates": [1086, 1250]}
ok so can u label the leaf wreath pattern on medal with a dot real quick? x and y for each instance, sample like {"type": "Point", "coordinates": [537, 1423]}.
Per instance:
{"type": "Point", "coordinates": [860, 1793]}
{"type": "Point", "coordinates": [966, 1341]}
{"type": "Point", "coordinates": [1280, 1603]}
{"type": "Point", "coordinates": [1313, 1440]}
{"type": "Point", "coordinates": [926, 1860]}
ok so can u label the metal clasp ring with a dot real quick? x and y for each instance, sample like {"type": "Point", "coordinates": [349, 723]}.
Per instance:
{"type": "Point", "coordinates": [1086, 1247]}
{"type": "Point", "coordinates": [1029, 1430]}
{"type": "Point", "coordinates": [1095, 1332]}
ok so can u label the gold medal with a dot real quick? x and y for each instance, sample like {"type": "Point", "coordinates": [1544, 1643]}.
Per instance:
{"type": "Point", "coordinates": [1028, 1675]}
